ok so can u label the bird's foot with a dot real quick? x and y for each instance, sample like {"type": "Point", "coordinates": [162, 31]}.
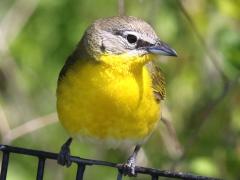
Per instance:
{"type": "Point", "coordinates": [129, 167]}
{"type": "Point", "coordinates": [64, 154]}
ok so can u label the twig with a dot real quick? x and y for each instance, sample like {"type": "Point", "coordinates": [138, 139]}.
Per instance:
{"type": "Point", "coordinates": [19, 13]}
{"type": "Point", "coordinates": [29, 127]}
{"type": "Point", "coordinates": [204, 111]}
{"type": "Point", "coordinates": [4, 126]}
{"type": "Point", "coordinates": [202, 41]}
{"type": "Point", "coordinates": [170, 139]}
{"type": "Point", "coordinates": [202, 114]}
{"type": "Point", "coordinates": [169, 136]}
{"type": "Point", "coordinates": [121, 7]}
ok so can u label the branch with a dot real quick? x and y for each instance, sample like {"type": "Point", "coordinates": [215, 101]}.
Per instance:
{"type": "Point", "coordinates": [4, 127]}
{"type": "Point", "coordinates": [169, 135]}
{"type": "Point", "coordinates": [29, 127]}
{"type": "Point", "coordinates": [203, 114]}
{"type": "Point", "coordinates": [206, 109]}
{"type": "Point", "coordinates": [121, 7]}
{"type": "Point", "coordinates": [170, 139]}
{"type": "Point", "coordinates": [19, 13]}
{"type": "Point", "coordinates": [202, 41]}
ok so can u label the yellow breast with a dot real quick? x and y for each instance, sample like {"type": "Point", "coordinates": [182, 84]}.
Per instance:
{"type": "Point", "coordinates": [112, 99]}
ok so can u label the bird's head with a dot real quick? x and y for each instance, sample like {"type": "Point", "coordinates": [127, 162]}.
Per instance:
{"type": "Point", "coordinates": [123, 37]}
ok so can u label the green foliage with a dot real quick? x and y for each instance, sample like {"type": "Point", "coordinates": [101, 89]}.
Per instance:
{"type": "Point", "coordinates": [211, 139]}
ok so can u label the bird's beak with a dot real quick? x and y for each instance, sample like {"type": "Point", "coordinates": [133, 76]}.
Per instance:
{"type": "Point", "coordinates": [161, 48]}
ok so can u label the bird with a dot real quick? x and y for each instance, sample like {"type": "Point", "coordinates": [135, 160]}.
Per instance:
{"type": "Point", "coordinates": [110, 89]}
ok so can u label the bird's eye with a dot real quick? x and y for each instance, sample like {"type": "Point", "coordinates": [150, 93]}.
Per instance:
{"type": "Point", "coordinates": [132, 39]}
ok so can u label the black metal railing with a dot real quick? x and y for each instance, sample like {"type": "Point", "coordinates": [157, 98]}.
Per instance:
{"type": "Point", "coordinates": [83, 163]}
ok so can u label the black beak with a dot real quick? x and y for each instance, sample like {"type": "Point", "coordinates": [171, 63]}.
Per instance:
{"type": "Point", "coordinates": [161, 48]}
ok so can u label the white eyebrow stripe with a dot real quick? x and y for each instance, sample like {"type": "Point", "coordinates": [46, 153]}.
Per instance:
{"type": "Point", "coordinates": [141, 36]}
{"type": "Point", "coordinates": [125, 33]}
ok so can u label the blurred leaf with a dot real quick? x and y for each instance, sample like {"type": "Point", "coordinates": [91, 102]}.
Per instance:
{"type": "Point", "coordinates": [229, 45]}
{"type": "Point", "coordinates": [229, 8]}
{"type": "Point", "coordinates": [204, 166]}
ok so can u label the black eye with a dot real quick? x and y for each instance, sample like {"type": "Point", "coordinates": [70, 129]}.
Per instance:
{"type": "Point", "coordinates": [131, 38]}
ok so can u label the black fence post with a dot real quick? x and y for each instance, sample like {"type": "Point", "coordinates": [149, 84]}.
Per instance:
{"type": "Point", "coordinates": [154, 177]}
{"type": "Point", "coordinates": [80, 171]}
{"type": "Point", "coordinates": [119, 176]}
{"type": "Point", "coordinates": [4, 167]}
{"type": "Point", "coordinates": [40, 171]}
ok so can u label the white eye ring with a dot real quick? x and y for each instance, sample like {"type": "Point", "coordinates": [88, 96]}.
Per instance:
{"type": "Point", "coordinates": [132, 39]}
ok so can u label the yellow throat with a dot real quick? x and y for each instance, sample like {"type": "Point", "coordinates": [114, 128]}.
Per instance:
{"type": "Point", "coordinates": [108, 100]}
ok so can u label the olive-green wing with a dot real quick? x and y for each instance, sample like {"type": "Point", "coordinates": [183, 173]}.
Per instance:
{"type": "Point", "coordinates": [77, 54]}
{"type": "Point", "coordinates": [158, 81]}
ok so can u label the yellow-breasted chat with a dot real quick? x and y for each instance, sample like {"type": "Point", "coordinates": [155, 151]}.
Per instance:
{"type": "Point", "coordinates": [109, 89]}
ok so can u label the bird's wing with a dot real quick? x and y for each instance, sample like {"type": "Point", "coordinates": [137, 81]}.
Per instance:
{"type": "Point", "coordinates": [75, 56]}
{"type": "Point", "coordinates": [158, 81]}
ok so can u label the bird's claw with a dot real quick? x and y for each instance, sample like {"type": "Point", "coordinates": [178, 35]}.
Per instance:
{"type": "Point", "coordinates": [64, 155]}
{"type": "Point", "coordinates": [129, 167]}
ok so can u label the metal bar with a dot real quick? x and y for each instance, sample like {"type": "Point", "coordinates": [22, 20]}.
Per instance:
{"type": "Point", "coordinates": [154, 177]}
{"type": "Point", "coordinates": [40, 171]}
{"type": "Point", "coordinates": [80, 171]}
{"type": "Point", "coordinates": [4, 168]}
{"type": "Point", "coordinates": [171, 174]}
{"type": "Point", "coordinates": [119, 176]}
{"type": "Point", "coordinates": [77, 160]}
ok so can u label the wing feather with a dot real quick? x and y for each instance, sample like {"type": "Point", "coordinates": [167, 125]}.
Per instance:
{"type": "Point", "coordinates": [158, 81]}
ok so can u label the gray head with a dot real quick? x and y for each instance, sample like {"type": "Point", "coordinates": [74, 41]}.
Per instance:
{"type": "Point", "coordinates": [119, 35]}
